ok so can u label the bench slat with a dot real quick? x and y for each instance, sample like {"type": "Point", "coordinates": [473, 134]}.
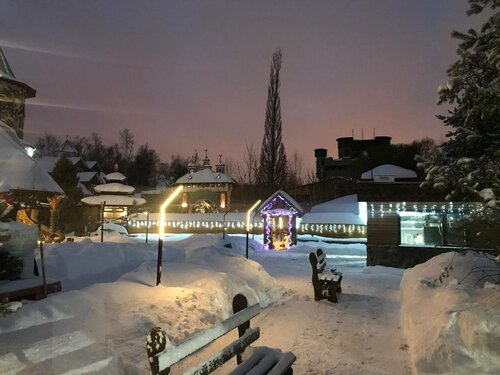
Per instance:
{"type": "Point", "coordinates": [283, 365]}
{"type": "Point", "coordinates": [173, 355]}
{"type": "Point", "coordinates": [221, 357]}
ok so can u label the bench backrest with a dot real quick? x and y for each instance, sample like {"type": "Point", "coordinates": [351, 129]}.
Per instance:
{"type": "Point", "coordinates": [318, 260]}
{"type": "Point", "coordinates": [161, 357]}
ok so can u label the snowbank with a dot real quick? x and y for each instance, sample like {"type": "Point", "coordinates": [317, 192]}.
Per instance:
{"type": "Point", "coordinates": [450, 312]}
{"type": "Point", "coordinates": [109, 302]}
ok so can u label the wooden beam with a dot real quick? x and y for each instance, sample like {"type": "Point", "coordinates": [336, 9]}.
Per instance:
{"type": "Point", "coordinates": [198, 341]}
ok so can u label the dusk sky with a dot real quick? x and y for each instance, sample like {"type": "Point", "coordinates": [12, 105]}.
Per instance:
{"type": "Point", "coordinates": [185, 75]}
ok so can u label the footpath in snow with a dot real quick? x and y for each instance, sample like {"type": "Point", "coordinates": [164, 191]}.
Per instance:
{"type": "Point", "coordinates": [99, 323]}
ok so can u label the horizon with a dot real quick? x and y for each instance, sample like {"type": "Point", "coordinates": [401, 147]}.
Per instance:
{"type": "Point", "coordinates": [172, 72]}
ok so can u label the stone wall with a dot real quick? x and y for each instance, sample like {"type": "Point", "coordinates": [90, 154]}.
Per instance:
{"type": "Point", "coordinates": [405, 256]}
{"type": "Point", "coordinates": [12, 106]}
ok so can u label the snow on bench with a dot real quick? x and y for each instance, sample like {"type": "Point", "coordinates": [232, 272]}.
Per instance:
{"type": "Point", "coordinates": [260, 360]}
{"type": "Point", "coordinates": [326, 284]}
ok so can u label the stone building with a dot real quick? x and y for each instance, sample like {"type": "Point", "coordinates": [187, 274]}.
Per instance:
{"type": "Point", "coordinates": [355, 157]}
{"type": "Point", "coordinates": [13, 94]}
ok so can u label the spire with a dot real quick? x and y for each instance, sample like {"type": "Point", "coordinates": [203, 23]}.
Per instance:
{"type": "Point", "coordinates": [7, 74]}
{"type": "Point", "coordinates": [5, 70]}
{"type": "Point", "coordinates": [206, 160]}
{"type": "Point", "coordinates": [220, 167]}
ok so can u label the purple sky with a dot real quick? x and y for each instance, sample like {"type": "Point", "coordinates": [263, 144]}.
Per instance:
{"type": "Point", "coordinates": [187, 75]}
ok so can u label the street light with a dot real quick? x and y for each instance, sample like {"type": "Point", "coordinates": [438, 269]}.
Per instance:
{"type": "Point", "coordinates": [161, 231]}
{"type": "Point", "coordinates": [248, 223]}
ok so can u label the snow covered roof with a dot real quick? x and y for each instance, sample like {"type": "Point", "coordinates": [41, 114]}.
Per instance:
{"type": "Point", "coordinates": [348, 203]}
{"type": "Point", "coordinates": [388, 170]}
{"type": "Point", "coordinates": [86, 176]}
{"type": "Point", "coordinates": [115, 176]}
{"type": "Point", "coordinates": [113, 200]}
{"type": "Point", "coordinates": [49, 162]}
{"type": "Point", "coordinates": [18, 170]}
{"type": "Point", "coordinates": [84, 189]}
{"type": "Point", "coordinates": [114, 187]}
{"type": "Point", "coordinates": [205, 176]}
{"type": "Point", "coordinates": [67, 148]}
{"type": "Point", "coordinates": [292, 202]}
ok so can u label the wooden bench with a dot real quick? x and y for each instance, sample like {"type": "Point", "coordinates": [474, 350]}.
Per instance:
{"type": "Point", "coordinates": [260, 360]}
{"type": "Point", "coordinates": [326, 284]}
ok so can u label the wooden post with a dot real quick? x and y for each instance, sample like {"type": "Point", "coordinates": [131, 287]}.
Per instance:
{"type": "Point", "coordinates": [240, 302]}
{"type": "Point", "coordinates": [102, 220]}
{"type": "Point", "coordinates": [44, 279]}
{"type": "Point", "coordinates": [159, 260]}
{"type": "Point", "coordinates": [246, 251]}
{"type": "Point", "coordinates": [147, 225]}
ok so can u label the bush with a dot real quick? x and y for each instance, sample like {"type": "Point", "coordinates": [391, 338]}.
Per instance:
{"type": "Point", "coordinates": [11, 267]}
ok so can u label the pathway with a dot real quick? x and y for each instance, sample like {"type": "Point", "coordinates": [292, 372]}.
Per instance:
{"type": "Point", "coordinates": [358, 335]}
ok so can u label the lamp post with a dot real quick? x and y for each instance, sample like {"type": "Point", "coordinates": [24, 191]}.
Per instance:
{"type": "Point", "coordinates": [103, 204]}
{"type": "Point", "coordinates": [224, 225]}
{"type": "Point", "coordinates": [147, 225]}
{"type": "Point", "coordinates": [248, 224]}
{"type": "Point", "coordinates": [161, 231]}
{"type": "Point", "coordinates": [42, 261]}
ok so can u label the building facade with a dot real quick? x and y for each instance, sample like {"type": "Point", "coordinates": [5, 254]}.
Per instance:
{"type": "Point", "coordinates": [13, 94]}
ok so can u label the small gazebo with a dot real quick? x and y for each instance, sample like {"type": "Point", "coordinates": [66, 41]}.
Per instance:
{"type": "Point", "coordinates": [280, 212]}
{"type": "Point", "coordinates": [116, 196]}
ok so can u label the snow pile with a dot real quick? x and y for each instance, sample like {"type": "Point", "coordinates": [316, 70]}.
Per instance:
{"type": "Point", "coordinates": [450, 312]}
{"type": "Point", "coordinates": [110, 302]}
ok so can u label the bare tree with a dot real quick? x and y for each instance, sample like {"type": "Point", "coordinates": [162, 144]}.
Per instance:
{"type": "Point", "coordinates": [295, 169]}
{"type": "Point", "coordinates": [272, 168]}
{"type": "Point", "coordinates": [127, 144]}
{"type": "Point", "coordinates": [310, 177]}
{"type": "Point", "coordinates": [46, 144]}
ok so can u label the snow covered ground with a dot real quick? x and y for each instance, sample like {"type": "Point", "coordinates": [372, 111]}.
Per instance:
{"type": "Point", "coordinates": [457, 329]}
{"type": "Point", "coordinates": [99, 323]}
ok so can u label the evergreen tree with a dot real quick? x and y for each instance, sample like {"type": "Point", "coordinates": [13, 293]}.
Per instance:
{"type": "Point", "coordinates": [467, 165]}
{"type": "Point", "coordinates": [273, 166]}
{"type": "Point", "coordinates": [70, 215]}
{"type": "Point", "coordinates": [65, 174]}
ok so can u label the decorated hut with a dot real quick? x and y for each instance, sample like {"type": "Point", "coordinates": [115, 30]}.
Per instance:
{"type": "Point", "coordinates": [205, 190]}
{"type": "Point", "coordinates": [280, 212]}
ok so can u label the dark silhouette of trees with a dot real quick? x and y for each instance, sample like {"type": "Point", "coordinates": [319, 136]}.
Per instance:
{"type": "Point", "coordinates": [273, 166]}
{"type": "Point", "coordinates": [143, 169]}
{"type": "Point", "coordinates": [46, 144]}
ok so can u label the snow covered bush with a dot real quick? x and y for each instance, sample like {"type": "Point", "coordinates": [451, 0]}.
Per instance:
{"type": "Point", "coordinates": [450, 314]}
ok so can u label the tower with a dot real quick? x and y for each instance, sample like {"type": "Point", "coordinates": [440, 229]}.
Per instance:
{"type": "Point", "coordinates": [13, 94]}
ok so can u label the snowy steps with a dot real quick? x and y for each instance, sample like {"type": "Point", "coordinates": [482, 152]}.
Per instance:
{"type": "Point", "coordinates": [54, 348]}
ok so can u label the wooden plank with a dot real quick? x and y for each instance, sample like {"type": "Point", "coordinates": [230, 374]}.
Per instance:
{"type": "Point", "coordinates": [200, 340]}
{"type": "Point", "coordinates": [35, 292]}
{"type": "Point", "coordinates": [284, 364]}
{"type": "Point", "coordinates": [221, 357]}
{"type": "Point", "coordinates": [383, 230]}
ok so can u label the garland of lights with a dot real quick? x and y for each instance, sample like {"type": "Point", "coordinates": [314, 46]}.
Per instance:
{"type": "Point", "coordinates": [268, 225]}
{"type": "Point", "coordinates": [289, 211]}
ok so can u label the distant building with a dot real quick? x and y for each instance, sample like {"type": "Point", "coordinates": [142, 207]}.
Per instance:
{"type": "Point", "coordinates": [355, 157]}
{"type": "Point", "coordinates": [205, 190]}
{"type": "Point", "coordinates": [116, 197]}
{"type": "Point", "coordinates": [89, 172]}
{"type": "Point", "coordinates": [13, 94]}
